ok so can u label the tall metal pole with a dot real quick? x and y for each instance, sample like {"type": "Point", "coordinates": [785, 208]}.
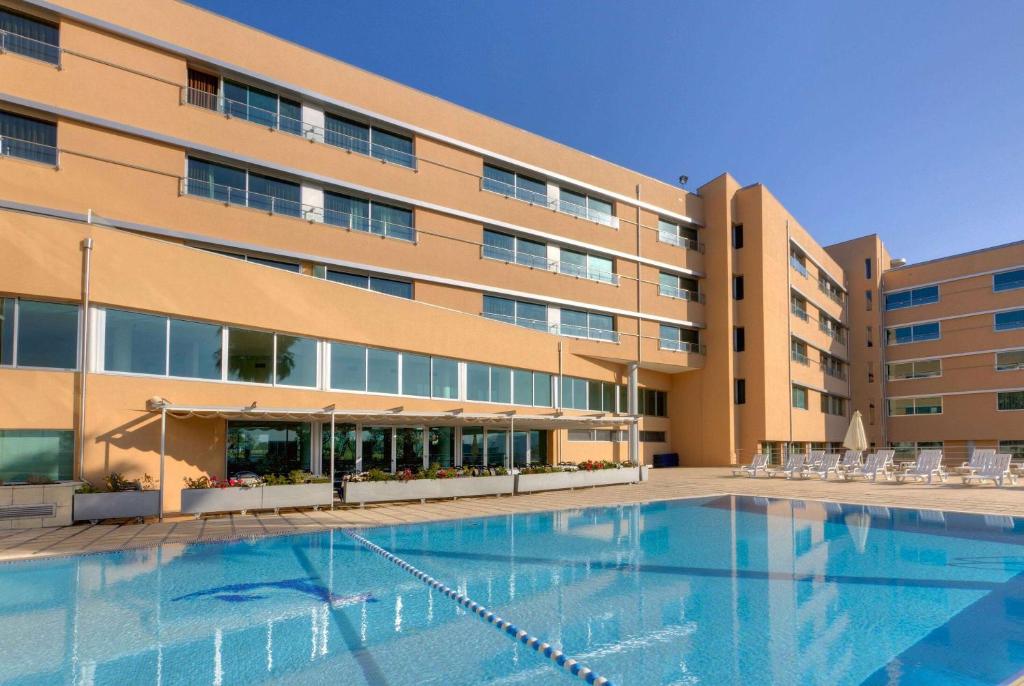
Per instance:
{"type": "Point", "coordinates": [332, 466]}
{"type": "Point", "coordinates": [84, 348]}
{"type": "Point", "coordinates": [163, 454]}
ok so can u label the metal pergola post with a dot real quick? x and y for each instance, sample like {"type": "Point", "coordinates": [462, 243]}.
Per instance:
{"type": "Point", "coordinates": [163, 455]}
{"type": "Point", "coordinates": [332, 463]}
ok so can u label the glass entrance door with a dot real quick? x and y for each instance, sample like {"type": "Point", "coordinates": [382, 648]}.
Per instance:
{"type": "Point", "coordinates": [376, 448]}
{"type": "Point", "coordinates": [408, 449]}
{"type": "Point", "coordinates": [344, 449]}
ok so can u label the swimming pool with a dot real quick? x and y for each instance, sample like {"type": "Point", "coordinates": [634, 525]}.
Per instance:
{"type": "Point", "coordinates": [705, 591]}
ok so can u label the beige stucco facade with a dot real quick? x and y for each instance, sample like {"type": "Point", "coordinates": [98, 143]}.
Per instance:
{"type": "Point", "coordinates": [127, 130]}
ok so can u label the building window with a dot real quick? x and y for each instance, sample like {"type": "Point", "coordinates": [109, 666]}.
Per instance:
{"type": "Point", "coordinates": [239, 187]}
{"type": "Point", "coordinates": [579, 324]}
{"type": "Point", "coordinates": [29, 37]}
{"type": "Point", "coordinates": [739, 339]}
{"type": "Point", "coordinates": [833, 405]}
{"type": "Point", "coordinates": [912, 298]}
{"type": "Point", "coordinates": [518, 312]}
{"type": "Point", "coordinates": [348, 367]}
{"type": "Point", "coordinates": [1010, 400]}
{"type": "Point", "coordinates": [515, 185]}
{"type": "Point", "coordinates": [831, 328]}
{"type": "Point", "coordinates": [584, 206]}
{"type": "Point", "coordinates": [869, 337]}
{"type": "Point", "coordinates": [678, 339]}
{"type": "Point", "coordinates": [653, 403]}
{"type": "Point", "coordinates": [1014, 448]}
{"type": "Point", "coordinates": [869, 299]}
{"type": "Point", "coordinates": [360, 214]}
{"type": "Point", "coordinates": [832, 290]}
{"type": "Point", "coordinates": [652, 437]}
{"type": "Point", "coordinates": [675, 286]}
{"type": "Point", "coordinates": [382, 371]}
{"type": "Point", "coordinates": [867, 268]}
{"type": "Point", "coordinates": [798, 261]}
{"type": "Point", "coordinates": [444, 378]}
{"type": "Point", "coordinates": [27, 138]}
{"type": "Point", "coordinates": [678, 235]}
{"type": "Point", "coordinates": [737, 236]}
{"type": "Point", "coordinates": [913, 334]}
{"type": "Point", "coordinates": [262, 107]}
{"type": "Point", "coordinates": [1009, 361]}
{"type": "Point", "coordinates": [587, 266]}
{"type": "Point", "coordinates": [34, 333]}
{"type": "Point", "coordinates": [508, 248]}
{"type": "Point", "coordinates": [264, 448]}
{"type": "Point", "coordinates": [1007, 321]}
{"type": "Point", "coordinates": [135, 343]}
{"type": "Point", "coordinates": [737, 287]}
{"type": "Point", "coordinates": [740, 392]}
{"type": "Point", "coordinates": [800, 397]}
{"type": "Point", "coordinates": [33, 453]}
{"type": "Point", "coordinates": [1007, 281]}
{"type": "Point", "coordinates": [400, 289]}
{"type": "Point", "coordinates": [899, 407]}
{"type": "Point", "coordinates": [598, 435]}
{"type": "Point", "coordinates": [368, 140]}
{"type": "Point", "coordinates": [203, 90]}
{"type": "Point", "coordinates": [920, 369]}
{"type": "Point", "coordinates": [798, 352]}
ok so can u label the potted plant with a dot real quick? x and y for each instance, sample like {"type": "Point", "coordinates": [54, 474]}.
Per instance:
{"type": "Point", "coordinates": [585, 474]}
{"type": "Point", "coordinates": [119, 498]}
{"type": "Point", "coordinates": [435, 482]}
{"type": "Point", "coordinates": [298, 489]}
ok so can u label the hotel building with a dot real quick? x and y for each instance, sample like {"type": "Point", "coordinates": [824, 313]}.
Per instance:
{"type": "Point", "coordinates": [219, 237]}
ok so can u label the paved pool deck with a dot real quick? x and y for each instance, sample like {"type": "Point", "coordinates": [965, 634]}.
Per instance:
{"type": "Point", "coordinates": [664, 484]}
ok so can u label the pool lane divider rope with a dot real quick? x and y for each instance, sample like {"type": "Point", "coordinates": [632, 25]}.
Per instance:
{"type": "Point", "coordinates": [570, 665]}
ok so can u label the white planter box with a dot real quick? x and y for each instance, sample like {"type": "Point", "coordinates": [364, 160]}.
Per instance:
{"type": "Point", "coordinates": [297, 495]}
{"type": "Point", "coordinates": [231, 499]}
{"type": "Point", "coordinates": [528, 483]}
{"type": "Point", "coordinates": [421, 489]}
{"type": "Point", "coordinates": [119, 505]}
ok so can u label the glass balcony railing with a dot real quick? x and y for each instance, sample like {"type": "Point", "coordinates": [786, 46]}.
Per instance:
{"type": "Point", "coordinates": [680, 346]}
{"type": "Point", "coordinates": [27, 150]}
{"type": "Point", "coordinates": [535, 324]}
{"type": "Point", "coordinates": [835, 334]}
{"type": "Point", "coordinates": [830, 292]}
{"type": "Point", "coordinates": [800, 358]}
{"type": "Point", "coordinates": [679, 293]}
{"type": "Point", "coordinates": [275, 120]}
{"type": "Point", "coordinates": [680, 241]}
{"type": "Point", "coordinates": [29, 47]}
{"type": "Point", "coordinates": [577, 331]}
{"type": "Point", "coordinates": [535, 198]}
{"type": "Point", "coordinates": [798, 265]}
{"type": "Point", "coordinates": [799, 312]}
{"type": "Point", "coordinates": [241, 197]}
{"type": "Point", "coordinates": [493, 252]}
{"type": "Point", "coordinates": [833, 371]}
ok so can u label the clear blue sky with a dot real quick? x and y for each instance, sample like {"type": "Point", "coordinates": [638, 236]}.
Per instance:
{"type": "Point", "coordinates": [904, 118]}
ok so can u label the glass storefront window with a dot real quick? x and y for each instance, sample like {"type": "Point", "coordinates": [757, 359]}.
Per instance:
{"type": "Point", "coordinates": [296, 361]}
{"type": "Point", "coordinates": [344, 449]}
{"type": "Point", "coordinates": [408, 449]}
{"type": "Point", "coordinates": [382, 371]}
{"type": "Point", "coordinates": [501, 385]}
{"type": "Point", "coordinates": [250, 355]}
{"type": "Point", "coordinates": [445, 378]}
{"type": "Point", "coordinates": [415, 375]}
{"type": "Point", "coordinates": [497, 448]}
{"type": "Point", "coordinates": [135, 343]}
{"type": "Point", "coordinates": [348, 367]}
{"type": "Point", "coordinates": [473, 446]}
{"type": "Point", "coordinates": [541, 389]}
{"type": "Point", "coordinates": [36, 453]}
{"type": "Point", "coordinates": [441, 446]}
{"type": "Point", "coordinates": [522, 387]}
{"type": "Point", "coordinates": [477, 382]}
{"type": "Point", "coordinates": [377, 448]}
{"type": "Point", "coordinates": [267, 447]}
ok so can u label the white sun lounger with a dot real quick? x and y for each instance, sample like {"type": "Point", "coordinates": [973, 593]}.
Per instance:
{"type": "Point", "coordinates": [928, 466]}
{"type": "Point", "coordinates": [759, 463]}
{"type": "Point", "coordinates": [794, 463]}
{"type": "Point", "coordinates": [980, 457]}
{"type": "Point", "coordinates": [997, 471]}
{"type": "Point", "coordinates": [877, 464]}
{"type": "Point", "coordinates": [814, 459]}
{"type": "Point", "coordinates": [851, 460]}
{"type": "Point", "coordinates": [828, 463]}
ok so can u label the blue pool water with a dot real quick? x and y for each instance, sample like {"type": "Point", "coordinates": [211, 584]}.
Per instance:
{"type": "Point", "coordinates": [723, 590]}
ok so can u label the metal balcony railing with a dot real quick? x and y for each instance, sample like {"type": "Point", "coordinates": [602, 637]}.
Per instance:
{"type": "Point", "coordinates": [509, 256]}
{"type": "Point", "coordinates": [680, 241]}
{"type": "Point", "coordinates": [835, 334]}
{"type": "Point", "coordinates": [799, 312]}
{"type": "Point", "coordinates": [29, 47]}
{"type": "Point", "coordinates": [313, 132]}
{"type": "Point", "coordinates": [800, 358]}
{"type": "Point", "coordinates": [27, 150]}
{"type": "Point", "coordinates": [798, 266]}
{"type": "Point", "coordinates": [824, 288]}
{"type": "Point", "coordinates": [535, 324]}
{"type": "Point", "coordinates": [680, 346]}
{"type": "Point", "coordinates": [833, 371]}
{"type": "Point", "coordinates": [241, 197]}
{"type": "Point", "coordinates": [534, 198]}
{"type": "Point", "coordinates": [680, 293]}
{"type": "Point", "coordinates": [576, 331]}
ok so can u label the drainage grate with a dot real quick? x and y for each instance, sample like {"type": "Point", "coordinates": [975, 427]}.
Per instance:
{"type": "Point", "coordinates": [16, 511]}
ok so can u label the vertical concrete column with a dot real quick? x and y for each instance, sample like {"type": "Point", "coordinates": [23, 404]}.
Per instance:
{"type": "Point", "coordinates": [633, 405]}
{"type": "Point", "coordinates": [312, 199]}
{"type": "Point", "coordinates": [554, 256]}
{"type": "Point", "coordinates": [313, 123]}
{"type": "Point", "coordinates": [553, 196]}
{"type": "Point", "coordinates": [554, 319]}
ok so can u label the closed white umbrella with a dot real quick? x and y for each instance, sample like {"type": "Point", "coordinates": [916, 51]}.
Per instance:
{"type": "Point", "coordinates": [856, 439]}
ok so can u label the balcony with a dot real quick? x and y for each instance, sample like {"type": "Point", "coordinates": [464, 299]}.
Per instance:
{"type": "Point", "coordinates": [680, 346]}
{"type": "Point", "coordinates": [541, 200]}
{"type": "Point", "coordinates": [834, 334]}
{"type": "Point", "coordinates": [535, 324]}
{"type": "Point", "coordinates": [680, 293]}
{"type": "Point", "coordinates": [27, 150]}
{"type": "Point", "coordinates": [493, 252]}
{"type": "Point", "coordinates": [798, 266]}
{"type": "Point", "coordinates": [834, 371]}
{"type": "Point", "coordinates": [680, 241]}
{"type": "Point", "coordinates": [799, 312]}
{"type": "Point", "coordinates": [240, 197]}
{"type": "Point", "coordinates": [832, 295]}
{"type": "Point", "coordinates": [800, 358]}
{"type": "Point", "coordinates": [577, 331]}
{"type": "Point", "coordinates": [29, 47]}
{"type": "Point", "coordinates": [274, 120]}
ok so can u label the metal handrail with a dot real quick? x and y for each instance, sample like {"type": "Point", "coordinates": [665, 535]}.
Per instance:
{"type": "Point", "coordinates": [524, 322]}
{"type": "Point", "coordinates": [799, 312]}
{"type": "Point", "coordinates": [680, 241]}
{"type": "Point", "coordinates": [680, 293]}
{"type": "Point", "coordinates": [534, 198]}
{"type": "Point", "coordinates": [798, 266]}
{"type": "Point", "coordinates": [590, 333]}
{"type": "Point", "coordinates": [28, 150]}
{"type": "Point", "coordinates": [680, 346]}
{"type": "Point", "coordinates": [800, 358]}
{"type": "Point", "coordinates": [835, 334]}
{"type": "Point", "coordinates": [509, 256]}
{"type": "Point", "coordinates": [313, 132]}
{"type": "Point", "coordinates": [30, 47]}
{"type": "Point", "coordinates": [231, 195]}
{"type": "Point", "coordinates": [833, 371]}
